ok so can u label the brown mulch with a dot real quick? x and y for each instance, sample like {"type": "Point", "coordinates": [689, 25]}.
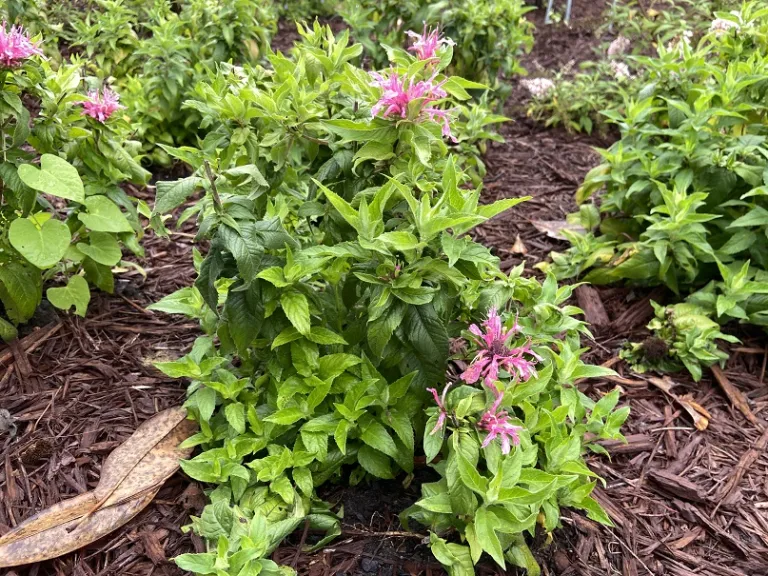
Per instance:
{"type": "Point", "coordinates": [685, 502]}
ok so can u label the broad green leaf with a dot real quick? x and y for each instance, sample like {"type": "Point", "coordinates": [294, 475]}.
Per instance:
{"type": "Point", "coordinates": [102, 247]}
{"type": "Point", "coordinates": [42, 246]}
{"type": "Point", "coordinates": [20, 290]}
{"type": "Point", "coordinates": [104, 216]}
{"type": "Point", "coordinates": [374, 462]}
{"type": "Point", "coordinates": [55, 176]}
{"type": "Point", "coordinates": [76, 293]}
{"type": "Point", "coordinates": [485, 524]}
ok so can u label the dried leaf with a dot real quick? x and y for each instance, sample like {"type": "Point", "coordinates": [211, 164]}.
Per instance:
{"type": "Point", "coordinates": [698, 413]}
{"type": "Point", "coordinates": [131, 477]}
{"type": "Point", "coordinates": [519, 246]}
{"type": "Point", "coordinates": [554, 228]}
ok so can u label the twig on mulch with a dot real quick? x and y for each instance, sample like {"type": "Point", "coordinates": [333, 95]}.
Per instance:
{"type": "Point", "coordinates": [735, 396]}
{"type": "Point", "coordinates": [747, 459]}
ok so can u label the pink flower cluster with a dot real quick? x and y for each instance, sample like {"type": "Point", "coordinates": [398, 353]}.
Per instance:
{"type": "Point", "coordinates": [101, 106]}
{"type": "Point", "coordinates": [399, 91]}
{"type": "Point", "coordinates": [15, 46]}
{"type": "Point", "coordinates": [427, 43]}
{"type": "Point", "coordinates": [494, 353]}
{"type": "Point", "coordinates": [497, 426]}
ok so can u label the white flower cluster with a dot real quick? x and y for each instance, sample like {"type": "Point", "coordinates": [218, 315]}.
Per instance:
{"type": "Point", "coordinates": [619, 46]}
{"type": "Point", "coordinates": [620, 70]}
{"type": "Point", "coordinates": [679, 41]}
{"type": "Point", "coordinates": [539, 88]}
{"type": "Point", "coordinates": [720, 26]}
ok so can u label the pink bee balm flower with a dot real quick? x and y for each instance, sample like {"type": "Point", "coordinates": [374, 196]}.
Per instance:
{"type": "Point", "coordinates": [495, 423]}
{"type": "Point", "coordinates": [494, 353]}
{"type": "Point", "coordinates": [427, 43]}
{"type": "Point", "coordinates": [101, 105]}
{"type": "Point", "coordinates": [15, 46]}
{"type": "Point", "coordinates": [440, 401]}
{"type": "Point", "coordinates": [399, 92]}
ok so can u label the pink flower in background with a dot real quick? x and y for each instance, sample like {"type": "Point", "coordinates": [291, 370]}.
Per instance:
{"type": "Point", "coordinates": [494, 353]}
{"type": "Point", "coordinates": [495, 423]}
{"type": "Point", "coordinates": [400, 91]}
{"type": "Point", "coordinates": [15, 46]}
{"type": "Point", "coordinates": [440, 401]}
{"type": "Point", "coordinates": [101, 105]}
{"type": "Point", "coordinates": [427, 43]}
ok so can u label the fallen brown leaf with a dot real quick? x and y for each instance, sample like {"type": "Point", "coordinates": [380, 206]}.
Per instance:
{"type": "Point", "coordinates": [554, 228]}
{"type": "Point", "coordinates": [519, 246]}
{"type": "Point", "coordinates": [697, 412]}
{"type": "Point", "coordinates": [130, 477]}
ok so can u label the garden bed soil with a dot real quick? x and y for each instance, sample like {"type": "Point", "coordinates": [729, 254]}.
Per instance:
{"type": "Point", "coordinates": [684, 501]}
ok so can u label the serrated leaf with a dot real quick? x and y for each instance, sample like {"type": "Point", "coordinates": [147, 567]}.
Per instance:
{"type": "Point", "coordinates": [374, 462]}
{"type": "Point", "coordinates": [296, 308]}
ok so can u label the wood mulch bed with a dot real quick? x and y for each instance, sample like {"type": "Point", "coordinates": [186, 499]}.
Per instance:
{"type": "Point", "coordinates": [684, 501]}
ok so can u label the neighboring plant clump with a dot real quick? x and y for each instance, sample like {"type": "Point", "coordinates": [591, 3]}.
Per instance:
{"type": "Point", "coordinates": [685, 187]}
{"type": "Point", "coordinates": [591, 98]}
{"type": "Point", "coordinates": [64, 150]}
{"type": "Point", "coordinates": [155, 52]}
{"type": "Point", "coordinates": [338, 281]}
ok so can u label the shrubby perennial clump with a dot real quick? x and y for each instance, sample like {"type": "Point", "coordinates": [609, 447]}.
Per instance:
{"type": "Point", "coordinates": [683, 191]}
{"type": "Point", "coordinates": [62, 213]}
{"type": "Point", "coordinates": [336, 209]}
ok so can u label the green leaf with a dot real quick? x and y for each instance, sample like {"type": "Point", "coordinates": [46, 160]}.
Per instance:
{"type": "Point", "coordinates": [374, 462]}
{"type": "Point", "coordinates": [75, 293]}
{"type": "Point", "coordinates": [376, 436]}
{"type": "Point", "coordinates": [104, 216]}
{"type": "Point", "coordinates": [373, 150]}
{"type": "Point", "coordinates": [235, 415]}
{"type": "Point", "coordinates": [55, 176]}
{"type": "Point", "coordinates": [340, 435]}
{"type": "Point", "coordinates": [102, 247]}
{"type": "Point", "coordinates": [197, 563]}
{"type": "Point", "coordinates": [21, 290]}
{"type": "Point", "coordinates": [432, 443]}
{"type": "Point", "coordinates": [286, 416]}
{"type": "Point", "coordinates": [342, 206]}
{"type": "Point", "coordinates": [217, 520]}
{"type": "Point", "coordinates": [325, 337]}
{"type": "Point", "coordinates": [491, 210]}
{"type": "Point", "coordinates": [428, 335]}
{"type": "Point", "coordinates": [245, 315]}
{"type": "Point", "coordinates": [485, 522]}
{"type": "Point", "coordinates": [8, 331]}
{"type": "Point", "coordinates": [42, 246]}
{"type": "Point", "coordinates": [296, 308]}
{"type": "Point", "coordinates": [471, 478]}
{"type": "Point", "coordinates": [169, 195]}
{"type": "Point", "coordinates": [99, 275]}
